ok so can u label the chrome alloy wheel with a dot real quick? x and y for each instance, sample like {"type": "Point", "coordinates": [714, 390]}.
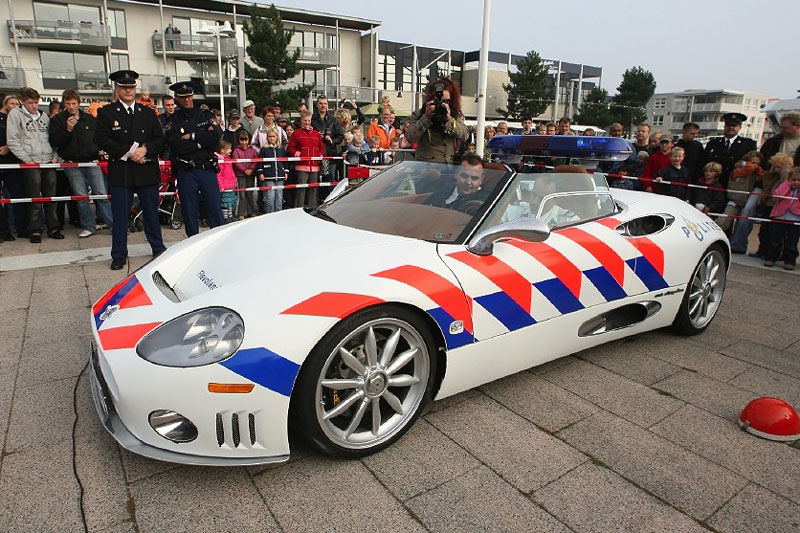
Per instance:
{"type": "Point", "coordinates": [372, 384]}
{"type": "Point", "coordinates": [706, 288]}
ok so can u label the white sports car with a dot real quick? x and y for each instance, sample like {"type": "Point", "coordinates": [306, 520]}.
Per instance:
{"type": "Point", "coordinates": [426, 280]}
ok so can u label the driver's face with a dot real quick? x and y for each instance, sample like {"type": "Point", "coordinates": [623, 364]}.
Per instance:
{"type": "Point", "coordinates": [469, 179]}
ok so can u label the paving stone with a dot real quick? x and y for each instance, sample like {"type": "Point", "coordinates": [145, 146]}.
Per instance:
{"type": "Point", "coordinates": [444, 403]}
{"type": "Point", "coordinates": [699, 359]}
{"type": "Point", "coordinates": [43, 360]}
{"type": "Point", "coordinates": [628, 399]}
{"type": "Point", "coordinates": [76, 298]}
{"type": "Point", "coordinates": [13, 324]}
{"type": "Point", "coordinates": [424, 458]}
{"type": "Point", "coordinates": [41, 415]}
{"type": "Point", "coordinates": [121, 527]}
{"type": "Point", "coordinates": [16, 289]}
{"type": "Point", "coordinates": [105, 496]}
{"type": "Point", "coordinates": [38, 490]}
{"type": "Point", "coordinates": [785, 362]}
{"type": "Point", "coordinates": [717, 336]}
{"type": "Point", "coordinates": [632, 364]}
{"type": "Point", "coordinates": [480, 501]}
{"type": "Point", "coordinates": [593, 498]}
{"type": "Point", "coordinates": [322, 494]}
{"type": "Point", "coordinates": [535, 399]}
{"type": "Point", "coordinates": [720, 398]}
{"type": "Point", "coordinates": [757, 510]}
{"type": "Point", "coordinates": [138, 467]}
{"type": "Point", "coordinates": [738, 330]}
{"type": "Point", "coordinates": [50, 326]}
{"type": "Point", "coordinates": [523, 455]}
{"type": "Point", "coordinates": [200, 499]}
{"type": "Point", "coordinates": [765, 382]}
{"type": "Point", "coordinates": [555, 363]}
{"type": "Point", "coordinates": [58, 278]}
{"type": "Point", "coordinates": [685, 480]}
{"type": "Point", "coordinates": [773, 465]}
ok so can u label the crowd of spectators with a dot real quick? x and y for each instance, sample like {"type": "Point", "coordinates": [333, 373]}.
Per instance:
{"type": "Point", "coordinates": [740, 178]}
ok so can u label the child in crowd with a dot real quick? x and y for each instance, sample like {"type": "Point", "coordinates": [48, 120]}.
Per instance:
{"type": "Point", "coordinates": [711, 200]}
{"type": "Point", "coordinates": [272, 173]}
{"type": "Point", "coordinates": [675, 173]}
{"type": "Point", "coordinates": [779, 166]}
{"type": "Point", "coordinates": [358, 150]}
{"type": "Point", "coordinates": [744, 177]}
{"type": "Point", "coordinates": [376, 155]}
{"type": "Point", "coordinates": [245, 176]}
{"type": "Point", "coordinates": [622, 181]}
{"type": "Point", "coordinates": [394, 144]}
{"type": "Point", "coordinates": [782, 234]}
{"type": "Point", "coordinates": [659, 159]}
{"type": "Point", "coordinates": [227, 181]}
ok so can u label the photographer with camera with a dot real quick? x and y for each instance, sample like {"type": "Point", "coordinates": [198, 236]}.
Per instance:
{"type": "Point", "coordinates": [439, 125]}
{"type": "Point", "coordinates": [332, 134]}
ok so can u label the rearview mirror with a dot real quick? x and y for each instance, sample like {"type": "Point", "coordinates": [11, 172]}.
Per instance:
{"type": "Point", "coordinates": [527, 229]}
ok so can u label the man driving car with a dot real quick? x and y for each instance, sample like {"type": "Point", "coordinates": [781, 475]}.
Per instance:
{"type": "Point", "coordinates": [468, 193]}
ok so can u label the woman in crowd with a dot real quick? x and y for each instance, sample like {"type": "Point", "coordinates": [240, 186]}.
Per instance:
{"type": "Point", "coordinates": [272, 173]}
{"type": "Point", "coordinates": [260, 135]}
{"type": "Point", "coordinates": [306, 142]}
{"type": "Point", "coordinates": [11, 179]}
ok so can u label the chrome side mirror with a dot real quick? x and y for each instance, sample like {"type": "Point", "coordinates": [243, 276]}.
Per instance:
{"type": "Point", "coordinates": [527, 229]}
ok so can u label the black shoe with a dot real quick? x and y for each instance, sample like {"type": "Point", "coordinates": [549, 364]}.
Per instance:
{"type": "Point", "coordinates": [75, 223]}
{"type": "Point", "coordinates": [36, 238]}
{"type": "Point", "coordinates": [55, 235]}
{"type": "Point", "coordinates": [23, 234]}
{"type": "Point", "coordinates": [118, 263]}
{"type": "Point", "coordinates": [156, 254]}
{"type": "Point", "coordinates": [7, 237]}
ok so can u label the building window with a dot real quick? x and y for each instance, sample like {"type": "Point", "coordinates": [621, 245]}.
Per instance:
{"type": "Point", "coordinates": [116, 25]}
{"type": "Point", "coordinates": [119, 62]}
{"type": "Point", "coordinates": [660, 103]}
{"type": "Point", "coordinates": [43, 11]}
{"type": "Point", "coordinates": [658, 120]}
{"type": "Point", "coordinates": [68, 70]}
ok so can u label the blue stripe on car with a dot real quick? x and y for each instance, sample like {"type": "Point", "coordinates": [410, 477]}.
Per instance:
{"type": "Point", "coordinates": [444, 320]}
{"type": "Point", "coordinates": [605, 283]}
{"type": "Point", "coordinates": [647, 273]}
{"type": "Point", "coordinates": [264, 367]}
{"type": "Point", "coordinates": [559, 295]}
{"type": "Point", "coordinates": [114, 300]}
{"type": "Point", "coordinates": [506, 310]}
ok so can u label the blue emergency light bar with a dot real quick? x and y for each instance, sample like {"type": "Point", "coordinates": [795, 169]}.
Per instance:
{"type": "Point", "coordinates": [571, 146]}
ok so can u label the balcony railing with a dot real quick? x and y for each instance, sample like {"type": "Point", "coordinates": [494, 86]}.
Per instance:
{"type": "Point", "coordinates": [193, 46]}
{"type": "Point", "coordinates": [211, 88]}
{"type": "Point", "coordinates": [11, 77]}
{"type": "Point", "coordinates": [309, 55]}
{"type": "Point", "coordinates": [154, 83]}
{"type": "Point", "coordinates": [82, 81]}
{"type": "Point", "coordinates": [62, 34]}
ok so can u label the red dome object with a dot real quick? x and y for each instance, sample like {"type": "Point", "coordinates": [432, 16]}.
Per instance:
{"type": "Point", "coordinates": [770, 418]}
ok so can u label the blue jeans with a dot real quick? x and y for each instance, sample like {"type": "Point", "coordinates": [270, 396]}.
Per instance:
{"type": "Point", "coordinates": [273, 198]}
{"type": "Point", "coordinates": [81, 179]}
{"type": "Point", "coordinates": [743, 226]}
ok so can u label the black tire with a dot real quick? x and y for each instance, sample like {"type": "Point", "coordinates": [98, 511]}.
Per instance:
{"type": "Point", "coordinates": [703, 294]}
{"type": "Point", "coordinates": [312, 402]}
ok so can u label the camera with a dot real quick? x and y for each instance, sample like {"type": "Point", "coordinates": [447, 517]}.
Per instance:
{"type": "Point", "coordinates": [440, 109]}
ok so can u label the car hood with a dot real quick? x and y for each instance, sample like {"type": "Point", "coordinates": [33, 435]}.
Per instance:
{"type": "Point", "coordinates": [290, 241]}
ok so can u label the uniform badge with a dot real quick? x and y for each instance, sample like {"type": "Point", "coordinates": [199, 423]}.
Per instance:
{"type": "Point", "coordinates": [116, 123]}
{"type": "Point", "coordinates": [214, 122]}
{"type": "Point", "coordinates": [182, 130]}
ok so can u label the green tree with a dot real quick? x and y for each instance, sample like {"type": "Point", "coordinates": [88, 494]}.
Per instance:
{"type": "Point", "coordinates": [594, 109]}
{"type": "Point", "coordinates": [628, 106]}
{"type": "Point", "coordinates": [528, 95]}
{"type": "Point", "coordinates": [269, 43]}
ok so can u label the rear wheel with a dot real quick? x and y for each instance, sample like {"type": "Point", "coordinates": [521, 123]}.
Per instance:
{"type": "Point", "coordinates": [703, 293]}
{"type": "Point", "coordinates": [365, 383]}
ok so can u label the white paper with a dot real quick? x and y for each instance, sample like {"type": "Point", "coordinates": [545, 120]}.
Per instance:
{"type": "Point", "coordinates": [133, 148]}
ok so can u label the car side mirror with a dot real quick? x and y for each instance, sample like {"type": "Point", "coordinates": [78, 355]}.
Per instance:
{"type": "Point", "coordinates": [527, 229]}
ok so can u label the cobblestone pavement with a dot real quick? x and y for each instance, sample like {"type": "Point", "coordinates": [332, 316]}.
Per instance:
{"type": "Point", "coordinates": [637, 435]}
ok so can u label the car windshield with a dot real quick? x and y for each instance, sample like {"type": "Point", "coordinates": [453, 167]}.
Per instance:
{"type": "Point", "coordinates": [429, 201]}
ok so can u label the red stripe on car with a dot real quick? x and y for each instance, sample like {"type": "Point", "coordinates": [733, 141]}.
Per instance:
{"type": "Point", "coordinates": [569, 274]}
{"type": "Point", "coordinates": [124, 336]}
{"type": "Point", "coordinates": [509, 280]}
{"type": "Point", "coordinates": [600, 250]}
{"type": "Point", "coordinates": [135, 298]}
{"type": "Point", "coordinates": [332, 304]}
{"type": "Point", "coordinates": [651, 251]}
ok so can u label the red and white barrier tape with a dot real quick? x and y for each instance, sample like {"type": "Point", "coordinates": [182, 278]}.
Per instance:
{"type": "Point", "coordinates": [104, 164]}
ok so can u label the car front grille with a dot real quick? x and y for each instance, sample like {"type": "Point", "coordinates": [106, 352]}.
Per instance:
{"type": "Point", "coordinates": [230, 432]}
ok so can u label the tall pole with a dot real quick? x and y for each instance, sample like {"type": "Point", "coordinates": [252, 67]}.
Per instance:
{"type": "Point", "coordinates": [558, 89]}
{"type": "Point", "coordinates": [14, 32]}
{"type": "Point", "coordinates": [163, 36]}
{"type": "Point", "coordinates": [483, 76]}
{"type": "Point", "coordinates": [241, 92]}
{"type": "Point", "coordinates": [219, 68]}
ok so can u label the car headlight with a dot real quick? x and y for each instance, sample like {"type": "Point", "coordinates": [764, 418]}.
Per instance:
{"type": "Point", "coordinates": [198, 338]}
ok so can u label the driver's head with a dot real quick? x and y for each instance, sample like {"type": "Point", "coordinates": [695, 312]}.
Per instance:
{"type": "Point", "coordinates": [469, 175]}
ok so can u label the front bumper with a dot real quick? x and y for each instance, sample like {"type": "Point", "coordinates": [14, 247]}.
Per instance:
{"type": "Point", "coordinates": [114, 425]}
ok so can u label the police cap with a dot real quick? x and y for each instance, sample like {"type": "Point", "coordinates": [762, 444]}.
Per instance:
{"type": "Point", "coordinates": [734, 119]}
{"type": "Point", "coordinates": [182, 88]}
{"type": "Point", "coordinates": [124, 78]}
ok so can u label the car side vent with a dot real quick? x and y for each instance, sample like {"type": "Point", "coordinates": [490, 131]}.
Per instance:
{"type": "Point", "coordinates": [647, 225]}
{"type": "Point", "coordinates": [232, 432]}
{"type": "Point", "coordinates": [164, 287]}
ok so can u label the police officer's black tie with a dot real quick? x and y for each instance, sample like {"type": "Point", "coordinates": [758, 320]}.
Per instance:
{"type": "Point", "coordinates": [130, 111]}
{"type": "Point", "coordinates": [727, 144]}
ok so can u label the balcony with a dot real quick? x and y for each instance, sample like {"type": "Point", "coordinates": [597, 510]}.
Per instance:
{"type": "Point", "coordinates": [85, 82]}
{"type": "Point", "coordinates": [154, 83]}
{"type": "Point", "coordinates": [211, 88]}
{"type": "Point", "coordinates": [193, 46]}
{"type": "Point", "coordinates": [311, 57]}
{"type": "Point", "coordinates": [11, 77]}
{"type": "Point", "coordinates": [60, 35]}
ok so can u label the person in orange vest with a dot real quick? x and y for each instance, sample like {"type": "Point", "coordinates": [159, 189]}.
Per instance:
{"type": "Point", "coordinates": [384, 128]}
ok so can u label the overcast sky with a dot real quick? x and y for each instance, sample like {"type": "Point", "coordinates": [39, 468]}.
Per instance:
{"type": "Point", "coordinates": [686, 44]}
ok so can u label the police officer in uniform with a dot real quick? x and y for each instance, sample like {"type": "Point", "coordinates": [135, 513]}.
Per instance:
{"type": "Point", "coordinates": [193, 136]}
{"type": "Point", "coordinates": [131, 135]}
{"type": "Point", "coordinates": [729, 148]}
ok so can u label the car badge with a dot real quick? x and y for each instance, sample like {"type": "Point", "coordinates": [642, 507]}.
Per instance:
{"type": "Point", "coordinates": [110, 310]}
{"type": "Point", "coordinates": [457, 327]}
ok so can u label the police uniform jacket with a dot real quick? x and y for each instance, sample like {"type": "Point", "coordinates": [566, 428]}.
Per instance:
{"type": "Point", "coordinates": [206, 134]}
{"type": "Point", "coordinates": [715, 151]}
{"type": "Point", "coordinates": [116, 131]}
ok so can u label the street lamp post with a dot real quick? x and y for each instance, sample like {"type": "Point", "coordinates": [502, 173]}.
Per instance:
{"type": "Point", "coordinates": [218, 31]}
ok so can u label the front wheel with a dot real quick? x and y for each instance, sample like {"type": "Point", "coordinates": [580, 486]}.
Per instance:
{"type": "Point", "coordinates": [365, 383]}
{"type": "Point", "coordinates": [703, 293]}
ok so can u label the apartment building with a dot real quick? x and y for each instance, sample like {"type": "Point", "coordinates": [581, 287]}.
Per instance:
{"type": "Point", "coordinates": [54, 45]}
{"type": "Point", "coordinates": [668, 112]}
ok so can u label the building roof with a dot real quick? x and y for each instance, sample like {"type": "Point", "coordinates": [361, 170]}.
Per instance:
{"type": "Point", "coordinates": [568, 70]}
{"type": "Point", "coordinates": [288, 14]}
